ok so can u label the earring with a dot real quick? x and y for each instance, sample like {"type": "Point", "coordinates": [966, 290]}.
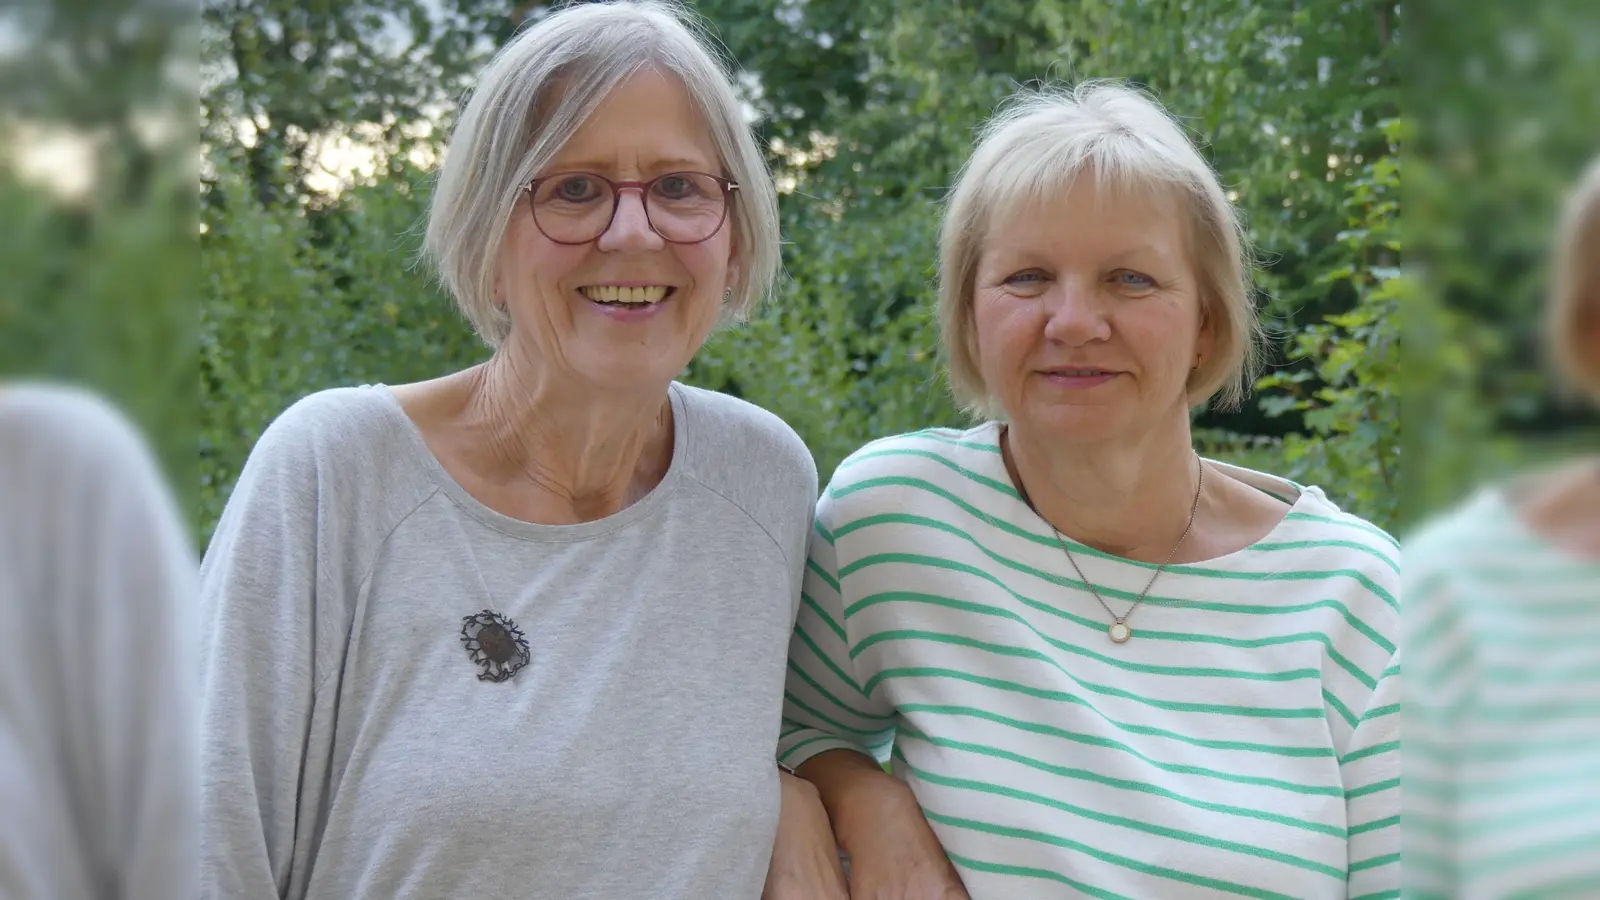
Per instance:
{"type": "Point", "coordinates": [727, 295]}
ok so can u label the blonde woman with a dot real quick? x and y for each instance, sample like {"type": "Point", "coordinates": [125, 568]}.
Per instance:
{"type": "Point", "coordinates": [1503, 605]}
{"type": "Point", "coordinates": [1100, 664]}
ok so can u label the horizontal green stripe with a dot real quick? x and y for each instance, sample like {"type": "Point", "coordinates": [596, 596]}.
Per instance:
{"type": "Point", "coordinates": [938, 562]}
{"type": "Point", "coordinates": [1586, 808]}
{"type": "Point", "coordinates": [1357, 524]}
{"type": "Point", "coordinates": [827, 660]}
{"type": "Point", "coordinates": [1277, 546]}
{"type": "Point", "coordinates": [1109, 744]}
{"type": "Point", "coordinates": [948, 436]}
{"type": "Point", "coordinates": [827, 695]}
{"type": "Point", "coordinates": [837, 726]}
{"type": "Point", "coordinates": [1390, 894]}
{"type": "Point", "coordinates": [1374, 825]}
{"type": "Point", "coordinates": [1535, 856]}
{"type": "Point", "coordinates": [1239, 890]}
{"type": "Point", "coordinates": [986, 481]}
{"type": "Point", "coordinates": [827, 579]}
{"type": "Point", "coordinates": [1380, 711]}
{"type": "Point", "coordinates": [1365, 752]}
{"type": "Point", "coordinates": [1083, 549]}
{"type": "Point", "coordinates": [1375, 862]}
{"type": "Point", "coordinates": [1124, 784]}
{"type": "Point", "coordinates": [1029, 653]}
{"type": "Point", "coordinates": [1291, 752]}
{"type": "Point", "coordinates": [1175, 834]}
{"type": "Point", "coordinates": [967, 862]}
{"type": "Point", "coordinates": [1374, 788]}
{"type": "Point", "coordinates": [1258, 712]}
{"type": "Point", "coordinates": [1099, 627]}
{"type": "Point", "coordinates": [838, 629]}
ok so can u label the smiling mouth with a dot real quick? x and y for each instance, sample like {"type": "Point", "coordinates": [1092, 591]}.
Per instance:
{"type": "Point", "coordinates": [1079, 373]}
{"type": "Point", "coordinates": [621, 295]}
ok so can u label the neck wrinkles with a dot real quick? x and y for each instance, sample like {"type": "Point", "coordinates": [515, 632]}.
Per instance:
{"type": "Point", "coordinates": [591, 452]}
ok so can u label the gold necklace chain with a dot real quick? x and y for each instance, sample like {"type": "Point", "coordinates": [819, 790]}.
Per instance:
{"type": "Point", "coordinates": [1118, 630]}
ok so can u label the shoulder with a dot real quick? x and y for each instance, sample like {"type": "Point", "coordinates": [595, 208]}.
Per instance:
{"type": "Point", "coordinates": [735, 444]}
{"type": "Point", "coordinates": [58, 425]}
{"type": "Point", "coordinates": [1315, 526]}
{"type": "Point", "coordinates": [336, 455]}
{"type": "Point", "coordinates": [1451, 545]}
{"type": "Point", "coordinates": [932, 465]}
{"type": "Point", "coordinates": [330, 424]}
{"type": "Point", "coordinates": [67, 454]}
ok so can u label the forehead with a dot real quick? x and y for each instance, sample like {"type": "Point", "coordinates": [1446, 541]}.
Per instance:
{"type": "Point", "coordinates": [647, 121]}
{"type": "Point", "coordinates": [1090, 217]}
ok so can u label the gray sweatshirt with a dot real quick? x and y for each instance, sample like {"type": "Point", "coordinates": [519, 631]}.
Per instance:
{"type": "Point", "coordinates": [408, 695]}
{"type": "Point", "coordinates": [97, 583]}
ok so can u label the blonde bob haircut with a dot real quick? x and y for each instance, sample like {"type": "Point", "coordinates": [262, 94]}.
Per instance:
{"type": "Point", "coordinates": [532, 97]}
{"type": "Point", "coordinates": [1034, 148]}
{"type": "Point", "coordinates": [1573, 313]}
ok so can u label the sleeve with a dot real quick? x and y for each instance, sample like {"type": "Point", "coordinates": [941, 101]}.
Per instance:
{"type": "Point", "coordinates": [1442, 659]}
{"type": "Point", "coordinates": [141, 574]}
{"type": "Point", "coordinates": [824, 707]}
{"type": "Point", "coordinates": [109, 571]}
{"type": "Point", "coordinates": [258, 681]}
{"type": "Point", "coordinates": [1370, 769]}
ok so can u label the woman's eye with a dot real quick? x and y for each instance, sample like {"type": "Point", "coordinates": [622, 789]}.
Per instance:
{"type": "Point", "coordinates": [1134, 279]}
{"type": "Point", "coordinates": [574, 189]}
{"type": "Point", "coordinates": [674, 186]}
{"type": "Point", "coordinates": [1024, 278]}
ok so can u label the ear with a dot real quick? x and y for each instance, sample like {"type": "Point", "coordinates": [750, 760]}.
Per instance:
{"type": "Point", "coordinates": [1206, 337]}
{"type": "Point", "coordinates": [735, 260]}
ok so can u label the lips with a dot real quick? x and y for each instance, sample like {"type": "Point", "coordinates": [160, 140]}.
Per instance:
{"type": "Point", "coordinates": [1079, 372]}
{"type": "Point", "coordinates": [627, 295]}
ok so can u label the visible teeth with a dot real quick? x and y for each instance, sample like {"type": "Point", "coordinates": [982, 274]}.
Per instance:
{"type": "Point", "coordinates": [611, 293]}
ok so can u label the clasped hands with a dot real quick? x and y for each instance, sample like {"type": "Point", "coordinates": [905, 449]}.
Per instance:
{"type": "Point", "coordinates": [893, 853]}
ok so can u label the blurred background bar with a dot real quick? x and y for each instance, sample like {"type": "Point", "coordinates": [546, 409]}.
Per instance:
{"type": "Point", "coordinates": [1502, 730]}
{"type": "Point", "coordinates": [1504, 100]}
{"type": "Point", "coordinates": [99, 208]}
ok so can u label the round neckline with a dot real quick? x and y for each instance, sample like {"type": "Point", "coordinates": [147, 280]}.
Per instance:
{"type": "Point", "coordinates": [535, 531]}
{"type": "Point", "coordinates": [1299, 498]}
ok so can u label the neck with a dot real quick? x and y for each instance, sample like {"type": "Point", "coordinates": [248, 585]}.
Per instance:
{"type": "Point", "coordinates": [1564, 507]}
{"type": "Point", "coordinates": [1133, 501]}
{"type": "Point", "coordinates": [589, 452]}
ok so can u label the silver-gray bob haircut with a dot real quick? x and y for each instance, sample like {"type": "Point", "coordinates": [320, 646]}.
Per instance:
{"type": "Point", "coordinates": [532, 97]}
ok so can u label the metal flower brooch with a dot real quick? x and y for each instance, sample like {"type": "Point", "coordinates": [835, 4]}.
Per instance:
{"type": "Point", "coordinates": [496, 644]}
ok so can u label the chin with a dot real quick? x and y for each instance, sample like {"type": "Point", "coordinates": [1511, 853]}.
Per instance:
{"type": "Point", "coordinates": [626, 370]}
{"type": "Point", "coordinates": [1077, 424]}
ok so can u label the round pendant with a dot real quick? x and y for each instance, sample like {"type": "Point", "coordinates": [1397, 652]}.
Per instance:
{"type": "Point", "coordinates": [1119, 632]}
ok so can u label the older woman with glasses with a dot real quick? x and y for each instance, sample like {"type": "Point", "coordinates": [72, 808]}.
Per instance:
{"type": "Point", "coordinates": [520, 631]}
{"type": "Point", "coordinates": [1100, 664]}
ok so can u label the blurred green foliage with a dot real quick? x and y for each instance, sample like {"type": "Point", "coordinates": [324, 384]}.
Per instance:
{"type": "Point", "coordinates": [1506, 100]}
{"type": "Point", "coordinates": [868, 110]}
{"type": "Point", "coordinates": [97, 193]}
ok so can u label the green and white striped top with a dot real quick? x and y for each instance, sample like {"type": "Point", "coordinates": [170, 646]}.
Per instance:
{"type": "Point", "coordinates": [1502, 782]}
{"type": "Point", "coordinates": [1244, 743]}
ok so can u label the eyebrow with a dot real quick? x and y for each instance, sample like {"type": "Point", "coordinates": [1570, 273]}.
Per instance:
{"type": "Point", "coordinates": [667, 164]}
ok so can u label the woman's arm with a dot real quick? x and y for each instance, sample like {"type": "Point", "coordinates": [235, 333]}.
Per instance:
{"type": "Point", "coordinates": [831, 731]}
{"type": "Point", "coordinates": [258, 594]}
{"type": "Point", "coordinates": [805, 859]}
